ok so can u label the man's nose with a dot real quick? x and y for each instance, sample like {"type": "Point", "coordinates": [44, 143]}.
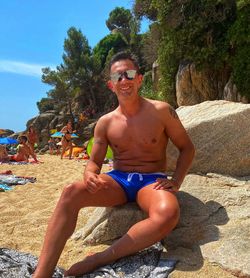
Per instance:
{"type": "Point", "coordinates": [123, 77]}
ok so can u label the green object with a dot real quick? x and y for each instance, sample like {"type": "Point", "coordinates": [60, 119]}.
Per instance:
{"type": "Point", "coordinates": [109, 154]}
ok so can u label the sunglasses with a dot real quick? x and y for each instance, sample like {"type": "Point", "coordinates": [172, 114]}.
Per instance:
{"type": "Point", "coordinates": [128, 74]}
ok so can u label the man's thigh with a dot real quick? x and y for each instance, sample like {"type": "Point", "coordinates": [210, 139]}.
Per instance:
{"type": "Point", "coordinates": [111, 194]}
{"type": "Point", "coordinates": [149, 199]}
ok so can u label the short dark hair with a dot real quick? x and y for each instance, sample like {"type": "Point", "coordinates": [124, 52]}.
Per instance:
{"type": "Point", "coordinates": [125, 55]}
{"type": "Point", "coordinates": [23, 137]}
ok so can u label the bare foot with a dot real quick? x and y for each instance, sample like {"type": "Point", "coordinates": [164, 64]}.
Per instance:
{"type": "Point", "coordinates": [87, 265]}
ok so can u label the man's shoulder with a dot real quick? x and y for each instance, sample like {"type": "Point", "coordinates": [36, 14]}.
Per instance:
{"type": "Point", "coordinates": [158, 104]}
{"type": "Point", "coordinates": [107, 117]}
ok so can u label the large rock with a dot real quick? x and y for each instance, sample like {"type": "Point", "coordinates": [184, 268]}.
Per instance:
{"type": "Point", "coordinates": [194, 86]}
{"type": "Point", "coordinates": [105, 224]}
{"type": "Point", "coordinates": [220, 131]}
{"type": "Point", "coordinates": [214, 223]}
{"type": "Point", "coordinates": [231, 93]}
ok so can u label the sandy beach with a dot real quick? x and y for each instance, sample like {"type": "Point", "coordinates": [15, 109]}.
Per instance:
{"type": "Point", "coordinates": [25, 211]}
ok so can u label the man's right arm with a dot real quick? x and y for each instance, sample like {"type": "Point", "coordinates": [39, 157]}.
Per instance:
{"type": "Point", "coordinates": [98, 152]}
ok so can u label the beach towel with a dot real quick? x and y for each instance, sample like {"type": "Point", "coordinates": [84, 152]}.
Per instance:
{"type": "Point", "coordinates": [31, 161]}
{"type": "Point", "coordinates": [4, 187]}
{"type": "Point", "coordinates": [146, 263]}
{"type": "Point", "coordinates": [15, 264]}
{"type": "Point", "coordinates": [15, 180]}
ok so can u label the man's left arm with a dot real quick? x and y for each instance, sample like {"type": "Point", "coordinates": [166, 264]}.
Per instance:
{"type": "Point", "coordinates": [178, 135]}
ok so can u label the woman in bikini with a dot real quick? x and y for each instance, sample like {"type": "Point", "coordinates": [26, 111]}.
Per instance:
{"type": "Point", "coordinates": [67, 139]}
{"type": "Point", "coordinates": [32, 138]}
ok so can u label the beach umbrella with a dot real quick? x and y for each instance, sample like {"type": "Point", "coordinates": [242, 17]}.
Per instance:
{"type": "Point", "coordinates": [8, 140]}
{"type": "Point", "coordinates": [59, 134]}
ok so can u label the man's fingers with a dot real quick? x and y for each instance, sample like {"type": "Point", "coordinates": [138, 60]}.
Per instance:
{"type": "Point", "coordinates": [165, 184]}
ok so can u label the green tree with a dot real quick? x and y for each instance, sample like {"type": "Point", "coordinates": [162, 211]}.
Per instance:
{"type": "Point", "coordinates": [78, 64]}
{"type": "Point", "coordinates": [45, 104]}
{"type": "Point", "coordinates": [145, 8]}
{"type": "Point", "coordinates": [113, 42]}
{"type": "Point", "coordinates": [239, 41]}
{"type": "Point", "coordinates": [61, 93]}
{"type": "Point", "coordinates": [76, 75]}
{"type": "Point", "coordinates": [119, 20]}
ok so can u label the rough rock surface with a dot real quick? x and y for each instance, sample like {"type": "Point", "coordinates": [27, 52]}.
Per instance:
{"type": "Point", "coordinates": [214, 224]}
{"type": "Point", "coordinates": [220, 131]}
{"type": "Point", "coordinates": [194, 86]}
{"type": "Point", "coordinates": [105, 224]}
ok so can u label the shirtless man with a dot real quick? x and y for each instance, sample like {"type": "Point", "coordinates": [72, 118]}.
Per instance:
{"type": "Point", "coordinates": [67, 139]}
{"type": "Point", "coordinates": [23, 151]}
{"type": "Point", "coordinates": [138, 131]}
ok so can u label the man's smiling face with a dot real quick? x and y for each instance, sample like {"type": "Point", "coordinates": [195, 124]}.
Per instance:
{"type": "Point", "coordinates": [126, 85]}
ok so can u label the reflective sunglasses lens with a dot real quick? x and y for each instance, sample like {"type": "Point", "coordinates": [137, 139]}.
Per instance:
{"type": "Point", "coordinates": [115, 76]}
{"type": "Point", "coordinates": [130, 74]}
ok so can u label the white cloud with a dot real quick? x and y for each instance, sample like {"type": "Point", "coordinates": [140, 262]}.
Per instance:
{"type": "Point", "coordinates": [21, 68]}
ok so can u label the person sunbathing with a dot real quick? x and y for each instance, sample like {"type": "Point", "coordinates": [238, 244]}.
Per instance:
{"type": "Point", "coordinates": [3, 154]}
{"type": "Point", "coordinates": [23, 151]}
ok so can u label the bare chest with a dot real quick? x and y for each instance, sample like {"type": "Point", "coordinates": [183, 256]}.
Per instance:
{"type": "Point", "coordinates": [135, 134]}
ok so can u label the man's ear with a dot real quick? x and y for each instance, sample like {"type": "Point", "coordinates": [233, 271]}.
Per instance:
{"type": "Point", "coordinates": [140, 78]}
{"type": "Point", "coordinates": [110, 85]}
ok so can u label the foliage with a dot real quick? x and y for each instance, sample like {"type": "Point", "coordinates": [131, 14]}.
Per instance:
{"type": "Point", "coordinates": [192, 31]}
{"type": "Point", "coordinates": [45, 104]}
{"type": "Point", "coordinates": [145, 8]}
{"type": "Point", "coordinates": [119, 19]}
{"type": "Point", "coordinates": [147, 89]}
{"type": "Point", "coordinates": [150, 45]}
{"type": "Point", "coordinates": [114, 42]}
{"type": "Point", "coordinates": [239, 40]}
{"type": "Point", "coordinates": [210, 33]}
{"type": "Point", "coordinates": [75, 75]}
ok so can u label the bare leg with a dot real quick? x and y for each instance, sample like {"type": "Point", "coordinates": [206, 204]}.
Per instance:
{"type": "Point", "coordinates": [70, 150]}
{"type": "Point", "coordinates": [63, 151]}
{"type": "Point", "coordinates": [63, 220]}
{"type": "Point", "coordinates": [163, 210]}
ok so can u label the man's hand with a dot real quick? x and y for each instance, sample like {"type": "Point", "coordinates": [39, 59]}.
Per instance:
{"type": "Point", "coordinates": [166, 184]}
{"type": "Point", "coordinates": [93, 182]}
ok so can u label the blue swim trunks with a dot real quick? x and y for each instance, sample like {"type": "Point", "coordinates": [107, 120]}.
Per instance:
{"type": "Point", "coordinates": [133, 182]}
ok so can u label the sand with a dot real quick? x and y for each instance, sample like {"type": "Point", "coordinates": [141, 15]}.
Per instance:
{"type": "Point", "coordinates": [26, 209]}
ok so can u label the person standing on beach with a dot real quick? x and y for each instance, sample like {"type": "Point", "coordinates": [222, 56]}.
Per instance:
{"type": "Point", "coordinates": [32, 137]}
{"type": "Point", "coordinates": [67, 139]}
{"type": "Point", "coordinates": [138, 131]}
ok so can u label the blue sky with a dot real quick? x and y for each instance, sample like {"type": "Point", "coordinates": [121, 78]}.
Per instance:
{"type": "Point", "coordinates": [31, 37]}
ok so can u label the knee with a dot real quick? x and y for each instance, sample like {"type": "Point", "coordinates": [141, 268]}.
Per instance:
{"type": "Point", "coordinates": [166, 215]}
{"type": "Point", "coordinates": [70, 193]}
